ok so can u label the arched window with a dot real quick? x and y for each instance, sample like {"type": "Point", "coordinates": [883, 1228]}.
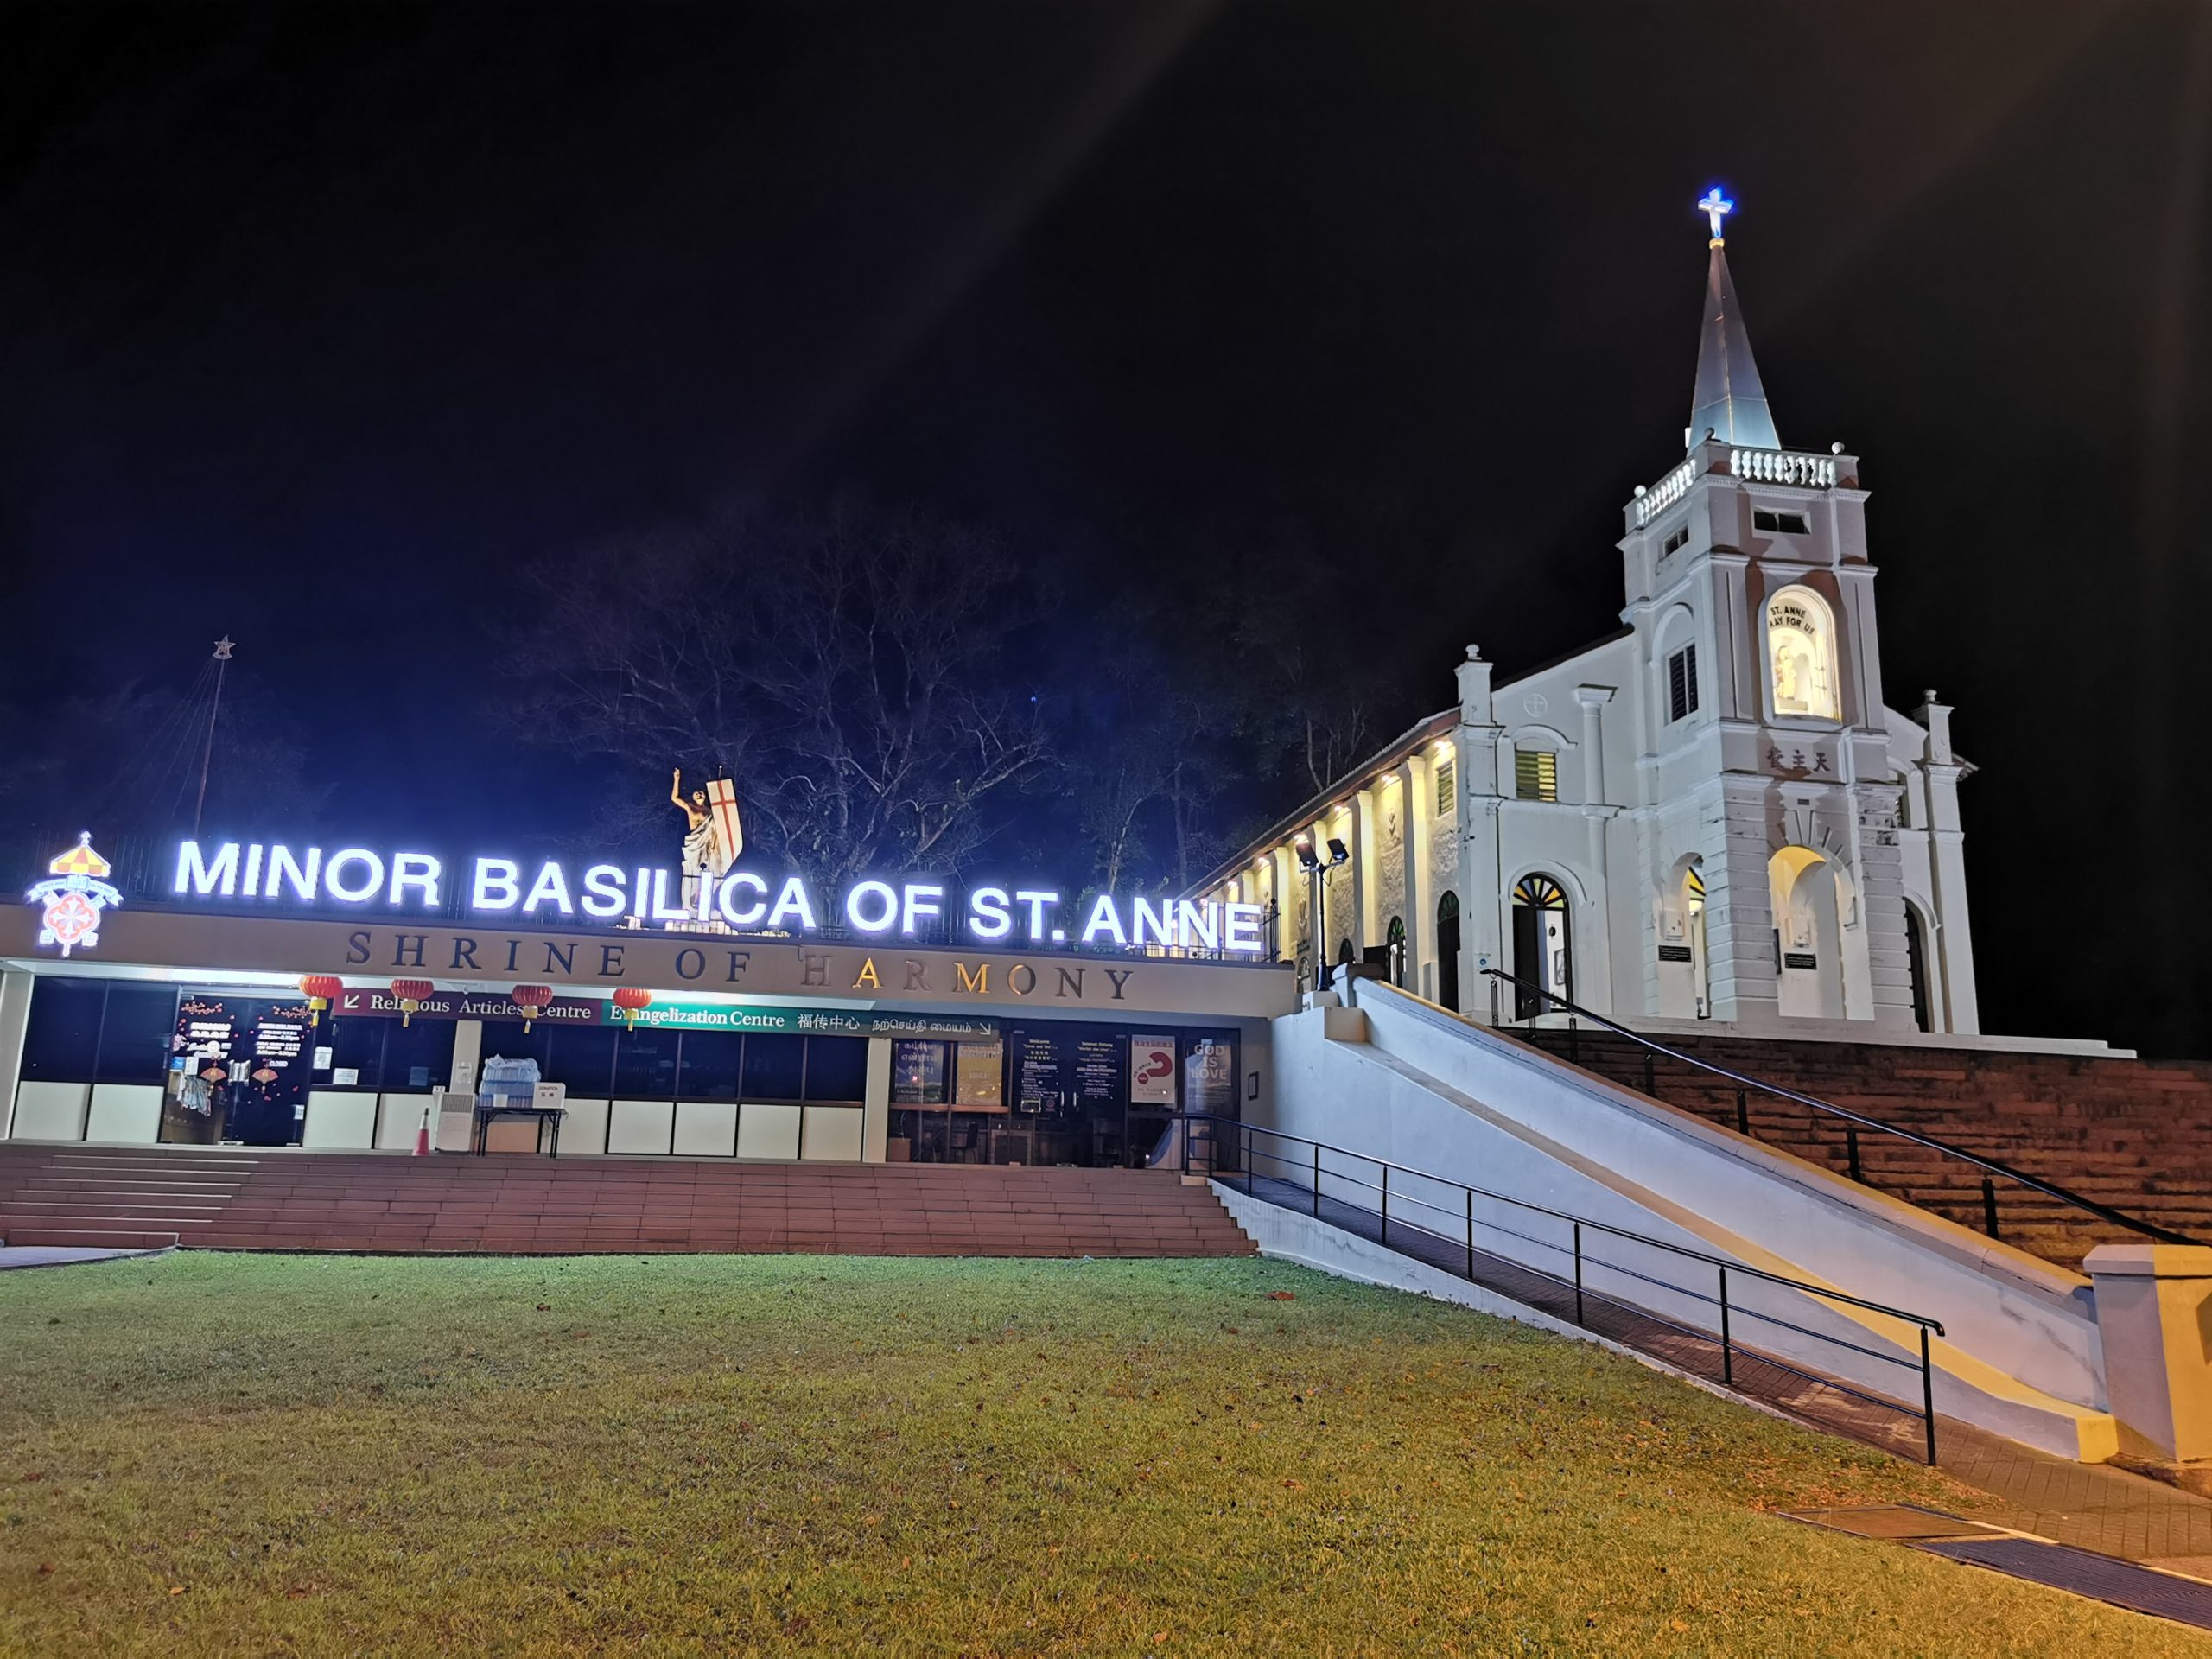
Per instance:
{"type": "Point", "coordinates": [1394, 941]}
{"type": "Point", "coordinates": [1801, 655]}
{"type": "Point", "coordinates": [1447, 950]}
{"type": "Point", "coordinates": [1541, 946]}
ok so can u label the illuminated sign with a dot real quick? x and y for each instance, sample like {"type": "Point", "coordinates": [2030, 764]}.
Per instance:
{"type": "Point", "coordinates": [74, 897]}
{"type": "Point", "coordinates": [743, 901]}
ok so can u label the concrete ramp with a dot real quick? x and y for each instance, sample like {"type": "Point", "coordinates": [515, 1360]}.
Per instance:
{"type": "Point", "coordinates": [1400, 1080]}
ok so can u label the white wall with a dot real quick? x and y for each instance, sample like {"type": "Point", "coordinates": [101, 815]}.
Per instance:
{"type": "Point", "coordinates": [340, 1120]}
{"type": "Point", "coordinates": [50, 1111]}
{"type": "Point", "coordinates": [769, 1131]}
{"type": "Point", "coordinates": [641, 1126]}
{"type": "Point", "coordinates": [399, 1118]}
{"type": "Point", "coordinates": [15, 1020]}
{"type": "Point", "coordinates": [832, 1134]}
{"type": "Point", "coordinates": [705, 1128]}
{"type": "Point", "coordinates": [583, 1132]}
{"type": "Point", "coordinates": [127, 1113]}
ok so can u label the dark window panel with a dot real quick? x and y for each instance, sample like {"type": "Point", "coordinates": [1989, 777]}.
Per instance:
{"type": "Point", "coordinates": [708, 1065]}
{"type": "Point", "coordinates": [644, 1065]}
{"type": "Point", "coordinates": [775, 1067]}
{"type": "Point", "coordinates": [61, 1041]}
{"type": "Point", "coordinates": [582, 1057]}
{"type": "Point", "coordinates": [417, 1056]}
{"type": "Point", "coordinates": [136, 1040]}
{"type": "Point", "coordinates": [837, 1068]}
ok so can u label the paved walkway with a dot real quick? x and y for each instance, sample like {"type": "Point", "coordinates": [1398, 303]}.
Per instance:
{"type": "Point", "coordinates": [2089, 1505]}
{"type": "Point", "coordinates": [56, 1255]}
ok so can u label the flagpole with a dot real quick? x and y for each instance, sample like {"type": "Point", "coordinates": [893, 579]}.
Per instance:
{"type": "Point", "coordinates": [214, 707]}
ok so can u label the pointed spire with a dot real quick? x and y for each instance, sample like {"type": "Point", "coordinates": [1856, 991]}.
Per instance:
{"type": "Point", "coordinates": [1730, 402]}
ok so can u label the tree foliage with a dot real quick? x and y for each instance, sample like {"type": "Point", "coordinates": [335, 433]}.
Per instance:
{"type": "Point", "coordinates": [850, 671]}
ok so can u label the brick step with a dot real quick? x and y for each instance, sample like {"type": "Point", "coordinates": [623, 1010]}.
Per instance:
{"type": "Point", "coordinates": [33, 1216]}
{"type": "Point", "coordinates": [58, 1203]}
{"type": "Point", "coordinates": [358, 1201]}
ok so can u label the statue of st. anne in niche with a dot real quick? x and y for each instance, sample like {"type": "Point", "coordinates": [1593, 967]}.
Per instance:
{"type": "Point", "coordinates": [713, 836]}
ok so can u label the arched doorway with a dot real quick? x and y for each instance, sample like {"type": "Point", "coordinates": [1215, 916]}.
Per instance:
{"type": "Point", "coordinates": [1694, 909]}
{"type": "Point", "coordinates": [1447, 952]}
{"type": "Point", "coordinates": [1684, 984]}
{"type": "Point", "coordinates": [1916, 961]}
{"type": "Point", "coordinates": [1542, 944]}
{"type": "Point", "coordinates": [1394, 947]}
{"type": "Point", "coordinates": [1807, 940]}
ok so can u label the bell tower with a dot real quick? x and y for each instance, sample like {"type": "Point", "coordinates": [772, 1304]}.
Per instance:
{"type": "Point", "coordinates": [1768, 827]}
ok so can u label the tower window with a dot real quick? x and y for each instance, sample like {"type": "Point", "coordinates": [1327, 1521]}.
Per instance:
{"type": "Point", "coordinates": [1682, 684]}
{"type": "Point", "coordinates": [1535, 775]}
{"type": "Point", "coordinates": [1680, 539]}
{"type": "Point", "coordinates": [1447, 785]}
{"type": "Point", "coordinates": [1781, 524]}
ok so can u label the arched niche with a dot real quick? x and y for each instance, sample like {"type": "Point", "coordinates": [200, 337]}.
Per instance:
{"type": "Point", "coordinates": [1801, 655]}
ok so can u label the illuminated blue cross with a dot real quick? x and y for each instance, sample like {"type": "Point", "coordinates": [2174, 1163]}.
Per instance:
{"type": "Point", "coordinates": [1713, 205]}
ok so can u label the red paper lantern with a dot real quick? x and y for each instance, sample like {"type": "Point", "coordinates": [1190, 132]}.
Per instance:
{"type": "Point", "coordinates": [531, 999]}
{"type": "Point", "coordinates": [630, 1000]}
{"type": "Point", "coordinates": [321, 991]}
{"type": "Point", "coordinates": [412, 995]}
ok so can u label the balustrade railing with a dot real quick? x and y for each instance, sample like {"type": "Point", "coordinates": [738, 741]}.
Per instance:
{"type": "Point", "coordinates": [1791, 466]}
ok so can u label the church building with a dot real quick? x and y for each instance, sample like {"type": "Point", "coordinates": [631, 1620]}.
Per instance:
{"type": "Point", "coordinates": [1713, 814]}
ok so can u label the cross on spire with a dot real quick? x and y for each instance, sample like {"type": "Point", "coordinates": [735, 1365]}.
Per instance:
{"type": "Point", "coordinates": [1714, 205]}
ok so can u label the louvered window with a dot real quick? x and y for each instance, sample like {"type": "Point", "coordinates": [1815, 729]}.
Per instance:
{"type": "Point", "coordinates": [1447, 785]}
{"type": "Point", "coordinates": [1682, 684]}
{"type": "Point", "coordinates": [1536, 774]}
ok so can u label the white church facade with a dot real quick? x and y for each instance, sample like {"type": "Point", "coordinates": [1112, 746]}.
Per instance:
{"type": "Point", "coordinates": [1713, 815]}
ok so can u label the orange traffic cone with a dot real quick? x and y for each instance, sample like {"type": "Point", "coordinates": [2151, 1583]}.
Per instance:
{"type": "Point", "coordinates": [423, 1135]}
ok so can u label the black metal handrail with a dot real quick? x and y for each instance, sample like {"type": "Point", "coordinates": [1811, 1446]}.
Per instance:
{"type": "Point", "coordinates": [1248, 1136]}
{"type": "Point", "coordinates": [1990, 1168]}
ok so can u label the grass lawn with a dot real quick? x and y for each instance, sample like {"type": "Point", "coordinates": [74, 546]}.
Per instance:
{"type": "Point", "coordinates": [210, 1454]}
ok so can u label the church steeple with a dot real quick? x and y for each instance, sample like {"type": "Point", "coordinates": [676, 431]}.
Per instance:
{"type": "Point", "coordinates": [1730, 401]}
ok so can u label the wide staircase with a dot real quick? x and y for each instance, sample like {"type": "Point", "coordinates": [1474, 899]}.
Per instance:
{"type": "Point", "coordinates": [2132, 1136]}
{"type": "Point", "coordinates": [289, 1200]}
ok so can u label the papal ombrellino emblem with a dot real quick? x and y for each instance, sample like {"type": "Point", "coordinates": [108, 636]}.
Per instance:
{"type": "Point", "coordinates": [74, 897]}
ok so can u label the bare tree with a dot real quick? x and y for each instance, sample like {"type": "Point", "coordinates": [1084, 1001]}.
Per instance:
{"type": "Point", "coordinates": [849, 671]}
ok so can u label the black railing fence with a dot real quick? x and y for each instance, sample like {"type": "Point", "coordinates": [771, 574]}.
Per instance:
{"type": "Point", "coordinates": [1989, 1171]}
{"type": "Point", "coordinates": [1680, 1304]}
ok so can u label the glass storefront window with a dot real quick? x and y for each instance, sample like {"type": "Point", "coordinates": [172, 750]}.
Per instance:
{"type": "Point", "coordinates": [582, 1057]}
{"type": "Point", "coordinates": [775, 1067]}
{"type": "Point", "coordinates": [837, 1068]}
{"type": "Point", "coordinates": [135, 1036]}
{"type": "Point", "coordinates": [917, 1073]}
{"type": "Point", "coordinates": [644, 1065]}
{"type": "Point", "coordinates": [506, 1040]}
{"type": "Point", "coordinates": [356, 1046]}
{"type": "Point", "coordinates": [62, 1038]}
{"type": "Point", "coordinates": [709, 1064]}
{"type": "Point", "coordinates": [418, 1056]}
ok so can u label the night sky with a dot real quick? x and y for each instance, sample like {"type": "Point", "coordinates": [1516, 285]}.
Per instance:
{"type": "Point", "coordinates": [320, 325]}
